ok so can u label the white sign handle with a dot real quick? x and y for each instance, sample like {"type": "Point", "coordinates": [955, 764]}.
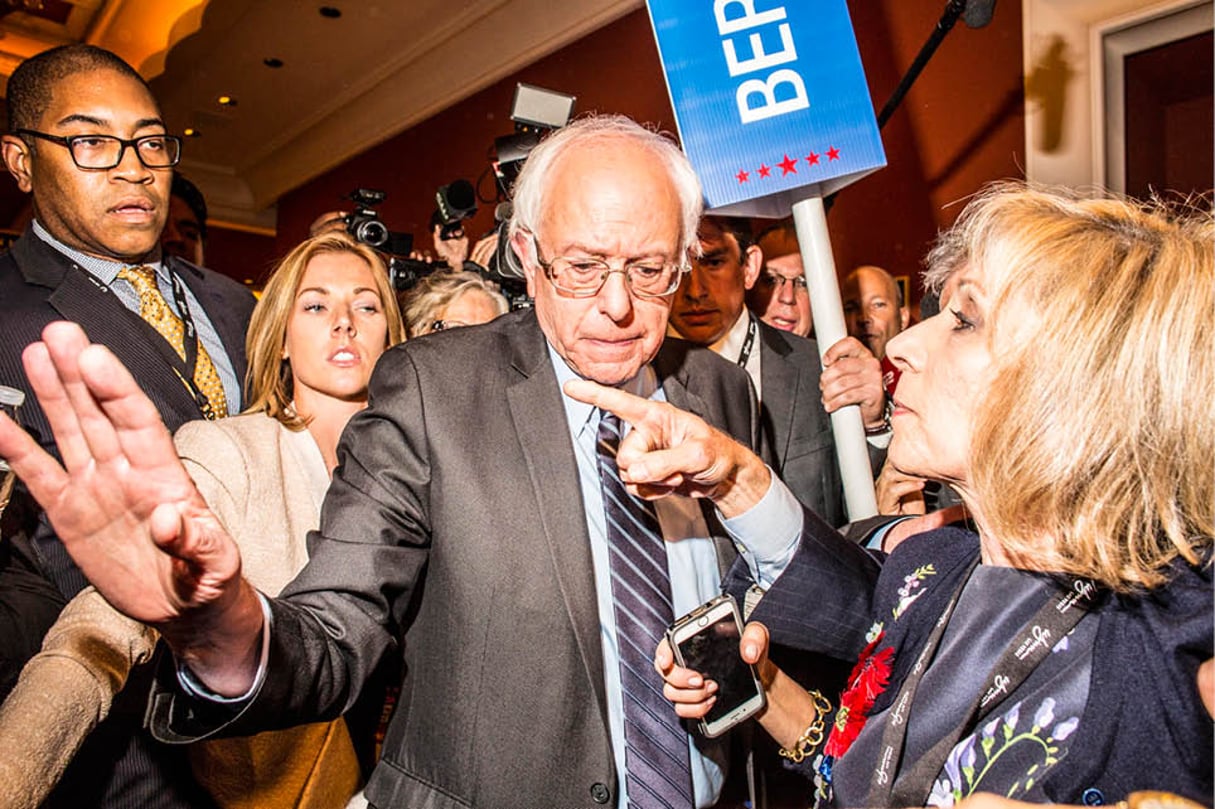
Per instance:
{"type": "Point", "coordinates": [810, 219]}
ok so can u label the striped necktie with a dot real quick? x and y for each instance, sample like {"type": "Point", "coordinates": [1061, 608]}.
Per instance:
{"type": "Point", "coordinates": [154, 309]}
{"type": "Point", "coordinates": [657, 766]}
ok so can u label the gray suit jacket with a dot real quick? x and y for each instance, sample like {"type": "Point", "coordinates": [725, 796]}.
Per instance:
{"type": "Point", "coordinates": [796, 426]}
{"type": "Point", "coordinates": [455, 525]}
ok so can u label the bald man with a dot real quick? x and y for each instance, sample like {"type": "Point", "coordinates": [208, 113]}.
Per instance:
{"type": "Point", "coordinates": [874, 311]}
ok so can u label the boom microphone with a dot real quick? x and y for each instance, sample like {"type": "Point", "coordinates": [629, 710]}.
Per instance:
{"type": "Point", "coordinates": [978, 13]}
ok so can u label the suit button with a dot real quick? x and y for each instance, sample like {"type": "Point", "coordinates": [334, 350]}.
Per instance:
{"type": "Point", "coordinates": [600, 793]}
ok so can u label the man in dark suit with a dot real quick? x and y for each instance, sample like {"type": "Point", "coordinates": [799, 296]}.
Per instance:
{"type": "Point", "coordinates": [87, 141]}
{"type": "Point", "coordinates": [796, 393]}
{"type": "Point", "coordinates": [471, 520]}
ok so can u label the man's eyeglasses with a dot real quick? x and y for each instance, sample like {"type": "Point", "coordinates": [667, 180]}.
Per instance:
{"type": "Point", "coordinates": [583, 277]}
{"type": "Point", "coordinates": [102, 152]}
{"type": "Point", "coordinates": [777, 281]}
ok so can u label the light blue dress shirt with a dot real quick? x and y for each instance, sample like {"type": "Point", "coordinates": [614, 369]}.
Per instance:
{"type": "Point", "coordinates": [772, 529]}
{"type": "Point", "coordinates": [106, 272]}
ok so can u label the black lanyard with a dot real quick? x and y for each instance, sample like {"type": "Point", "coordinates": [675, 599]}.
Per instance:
{"type": "Point", "coordinates": [749, 342]}
{"type": "Point", "coordinates": [1060, 613]}
{"type": "Point", "coordinates": [183, 368]}
{"type": "Point", "coordinates": [187, 322]}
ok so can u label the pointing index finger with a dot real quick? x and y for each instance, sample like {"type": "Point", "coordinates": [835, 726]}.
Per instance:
{"type": "Point", "coordinates": [632, 409]}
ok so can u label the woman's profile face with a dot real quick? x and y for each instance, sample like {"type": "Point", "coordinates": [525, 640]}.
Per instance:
{"type": "Point", "coordinates": [336, 332]}
{"type": "Point", "coordinates": [946, 361]}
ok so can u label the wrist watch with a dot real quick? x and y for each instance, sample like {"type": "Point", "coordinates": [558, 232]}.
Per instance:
{"type": "Point", "coordinates": [884, 427]}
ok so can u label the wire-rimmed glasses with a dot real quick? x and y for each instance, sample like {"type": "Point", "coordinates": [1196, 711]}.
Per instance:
{"type": "Point", "coordinates": [584, 276]}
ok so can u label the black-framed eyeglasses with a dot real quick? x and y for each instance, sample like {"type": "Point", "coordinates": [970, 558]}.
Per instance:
{"type": "Point", "coordinates": [100, 152]}
{"type": "Point", "coordinates": [778, 281]}
{"type": "Point", "coordinates": [583, 277]}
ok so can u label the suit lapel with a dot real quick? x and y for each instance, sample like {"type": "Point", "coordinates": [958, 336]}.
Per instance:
{"type": "Point", "coordinates": [673, 378]}
{"type": "Point", "coordinates": [80, 297]}
{"type": "Point", "coordinates": [225, 318]}
{"type": "Point", "coordinates": [781, 380]}
{"type": "Point", "coordinates": [538, 414]}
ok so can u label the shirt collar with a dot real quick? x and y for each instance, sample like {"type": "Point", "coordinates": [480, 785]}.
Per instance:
{"type": "Point", "coordinates": [580, 414]}
{"type": "Point", "coordinates": [730, 344]}
{"type": "Point", "coordinates": [103, 269]}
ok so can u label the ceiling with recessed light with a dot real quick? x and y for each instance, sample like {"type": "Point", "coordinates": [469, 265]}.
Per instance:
{"type": "Point", "coordinates": [310, 84]}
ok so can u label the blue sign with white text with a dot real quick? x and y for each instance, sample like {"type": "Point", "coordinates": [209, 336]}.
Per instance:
{"type": "Point", "coordinates": [770, 99]}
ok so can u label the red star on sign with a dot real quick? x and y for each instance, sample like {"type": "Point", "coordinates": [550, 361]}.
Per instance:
{"type": "Point", "coordinates": [787, 166]}
{"type": "Point", "coordinates": [833, 153]}
{"type": "Point", "coordinates": [765, 171]}
{"type": "Point", "coordinates": [743, 176]}
{"type": "Point", "coordinates": [812, 158]}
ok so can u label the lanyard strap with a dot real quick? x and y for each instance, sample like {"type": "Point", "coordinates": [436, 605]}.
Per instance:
{"type": "Point", "coordinates": [749, 342]}
{"type": "Point", "coordinates": [1060, 613]}
{"type": "Point", "coordinates": [190, 343]}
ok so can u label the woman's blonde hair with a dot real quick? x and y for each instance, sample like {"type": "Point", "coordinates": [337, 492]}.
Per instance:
{"type": "Point", "coordinates": [268, 381]}
{"type": "Point", "coordinates": [1092, 448]}
{"type": "Point", "coordinates": [439, 289]}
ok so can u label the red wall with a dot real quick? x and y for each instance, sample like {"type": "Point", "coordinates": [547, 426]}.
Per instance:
{"type": "Point", "coordinates": [961, 125]}
{"type": "Point", "coordinates": [247, 257]}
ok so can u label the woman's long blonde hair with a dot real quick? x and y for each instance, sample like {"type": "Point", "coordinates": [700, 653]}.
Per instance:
{"type": "Point", "coordinates": [1093, 451]}
{"type": "Point", "coordinates": [268, 381]}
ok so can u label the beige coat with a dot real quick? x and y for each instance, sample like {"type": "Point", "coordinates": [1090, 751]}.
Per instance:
{"type": "Point", "coordinates": [266, 484]}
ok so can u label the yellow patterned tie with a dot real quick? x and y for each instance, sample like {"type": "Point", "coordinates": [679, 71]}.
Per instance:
{"type": "Point", "coordinates": [154, 309]}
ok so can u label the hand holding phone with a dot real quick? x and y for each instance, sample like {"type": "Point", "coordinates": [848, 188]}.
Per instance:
{"type": "Point", "coordinates": [706, 640]}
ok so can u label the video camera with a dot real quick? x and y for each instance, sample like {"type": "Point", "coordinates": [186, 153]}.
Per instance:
{"type": "Point", "coordinates": [365, 226]}
{"type": "Point", "coordinates": [456, 202]}
{"type": "Point", "coordinates": [535, 111]}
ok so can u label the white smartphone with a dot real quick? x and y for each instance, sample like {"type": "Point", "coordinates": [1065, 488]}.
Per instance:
{"type": "Point", "coordinates": [706, 640]}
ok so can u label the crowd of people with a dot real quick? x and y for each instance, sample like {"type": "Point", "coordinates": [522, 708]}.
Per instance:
{"type": "Point", "coordinates": [274, 553]}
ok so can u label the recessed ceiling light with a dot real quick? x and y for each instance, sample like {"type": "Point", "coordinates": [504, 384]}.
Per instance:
{"type": "Point", "coordinates": [226, 101]}
{"type": "Point", "coordinates": [332, 12]}
{"type": "Point", "coordinates": [272, 61]}
{"type": "Point", "coordinates": [191, 132]}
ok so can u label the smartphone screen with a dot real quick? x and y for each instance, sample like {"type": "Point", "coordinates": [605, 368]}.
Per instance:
{"type": "Point", "coordinates": [713, 651]}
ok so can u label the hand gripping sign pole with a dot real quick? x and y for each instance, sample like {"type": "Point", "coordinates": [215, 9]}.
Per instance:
{"type": "Point", "coordinates": [847, 426]}
{"type": "Point", "coordinates": [774, 113]}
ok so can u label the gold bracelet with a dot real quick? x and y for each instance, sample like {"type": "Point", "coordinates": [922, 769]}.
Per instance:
{"type": "Point", "coordinates": [812, 736]}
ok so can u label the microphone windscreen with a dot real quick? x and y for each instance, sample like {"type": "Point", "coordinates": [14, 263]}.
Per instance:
{"type": "Point", "coordinates": [978, 13]}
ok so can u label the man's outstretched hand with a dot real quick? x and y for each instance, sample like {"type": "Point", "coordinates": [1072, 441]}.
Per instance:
{"type": "Point", "coordinates": [128, 512]}
{"type": "Point", "coordinates": [670, 451]}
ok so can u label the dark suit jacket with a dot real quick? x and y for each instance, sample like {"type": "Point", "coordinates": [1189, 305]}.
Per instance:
{"type": "Point", "coordinates": [38, 285]}
{"type": "Point", "coordinates": [119, 765]}
{"type": "Point", "coordinates": [456, 519]}
{"type": "Point", "coordinates": [796, 426]}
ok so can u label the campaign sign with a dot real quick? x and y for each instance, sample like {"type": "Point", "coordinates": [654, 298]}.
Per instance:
{"type": "Point", "coordinates": [770, 99]}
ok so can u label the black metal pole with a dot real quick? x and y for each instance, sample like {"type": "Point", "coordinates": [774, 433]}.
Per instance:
{"type": "Point", "coordinates": [952, 12]}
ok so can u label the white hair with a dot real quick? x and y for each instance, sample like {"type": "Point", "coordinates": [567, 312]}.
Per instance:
{"type": "Point", "coordinates": [534, 180]}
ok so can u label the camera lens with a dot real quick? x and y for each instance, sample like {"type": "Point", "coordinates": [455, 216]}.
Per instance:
{"type": "Point", "coordinates": [371, 232]}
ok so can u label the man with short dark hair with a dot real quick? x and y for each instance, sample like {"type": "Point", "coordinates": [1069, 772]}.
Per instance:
{"type": "Point", "coordinates": [87, 141]}
{"type": "Point", "coordinates": [779, 296]}
{"type": "Point", "coordinates": [185, 233]}
{"type": "Point", "coordinates": [796, 393]}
